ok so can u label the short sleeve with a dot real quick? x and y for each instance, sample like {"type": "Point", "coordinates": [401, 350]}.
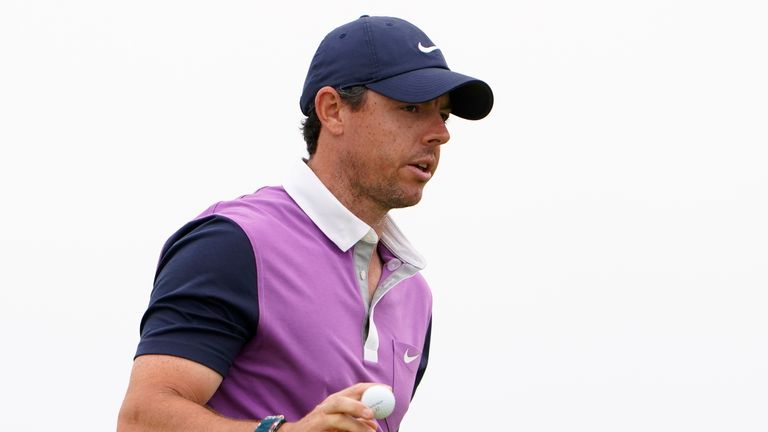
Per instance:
{"type": "Point", "coordinates": [204, 303]}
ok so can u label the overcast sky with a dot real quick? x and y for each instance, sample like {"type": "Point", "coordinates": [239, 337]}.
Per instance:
{"type": "Point", "coordinates": [597, 246]}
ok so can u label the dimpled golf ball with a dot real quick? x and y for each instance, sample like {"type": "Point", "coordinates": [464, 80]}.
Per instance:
{"type": "Point", "coordinates": [380, 399]}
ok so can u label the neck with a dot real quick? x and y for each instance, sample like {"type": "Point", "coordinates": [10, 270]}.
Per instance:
{"type": "Point", "coordinates": [341, 188]}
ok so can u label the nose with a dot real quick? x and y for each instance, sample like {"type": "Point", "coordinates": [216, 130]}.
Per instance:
{"type": "Point", "coordinates": [438, 133]}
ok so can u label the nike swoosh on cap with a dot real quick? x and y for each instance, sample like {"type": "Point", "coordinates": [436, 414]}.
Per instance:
{"type": "Point", "coordinates": [407, 359]}
{"type": "Point", "coordinates": [427, 50]}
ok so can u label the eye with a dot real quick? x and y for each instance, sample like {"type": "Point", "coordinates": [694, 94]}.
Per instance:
{"type": "Point", "coordinates": [410, 108]}
{"type": "Point", "coordinates": [445, 116]}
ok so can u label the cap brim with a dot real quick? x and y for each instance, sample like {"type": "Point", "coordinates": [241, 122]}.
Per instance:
{"type": "Point", "coordinates": [471, 98]}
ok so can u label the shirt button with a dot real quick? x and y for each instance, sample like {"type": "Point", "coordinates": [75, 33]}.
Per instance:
{"type": "Point", "coordinates": [371, 237]}
{"type": "Point", "coordinates": [394, 264]}
{"type": "Point", "coordinates": [363, 274]}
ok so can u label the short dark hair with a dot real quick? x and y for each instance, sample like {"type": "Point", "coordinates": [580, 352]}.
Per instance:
{"type": "Point", "coordinates": [310, 127]}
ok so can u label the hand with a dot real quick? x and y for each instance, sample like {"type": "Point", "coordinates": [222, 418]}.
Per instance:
{"type": "Point", "coordinates": [340, 411]}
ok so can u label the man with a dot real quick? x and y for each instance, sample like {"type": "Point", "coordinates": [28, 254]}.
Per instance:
{"type": "Point", "coordinates": [278, 309]}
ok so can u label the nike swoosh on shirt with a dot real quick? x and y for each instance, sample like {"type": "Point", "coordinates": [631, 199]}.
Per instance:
{"type": "Point", "coordinates": [407, 359]}
{"type": "Point", "coordinates": [427, 50]}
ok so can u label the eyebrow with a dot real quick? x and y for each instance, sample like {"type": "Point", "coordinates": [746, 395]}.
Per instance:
{"type": "Point", "coordinates": [445, 106]}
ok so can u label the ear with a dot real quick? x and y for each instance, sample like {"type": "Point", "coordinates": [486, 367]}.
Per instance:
{"type": "Point", "coordinates": [328, 108]}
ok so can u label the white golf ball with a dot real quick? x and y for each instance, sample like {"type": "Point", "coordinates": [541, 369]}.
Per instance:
{"type": "Point", "coordinates": [380, 399]}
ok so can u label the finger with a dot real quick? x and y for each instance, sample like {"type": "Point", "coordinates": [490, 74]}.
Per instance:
{"type": "Point", "coordinates": [357, 390]}
{"type": "Point", "coordinates": [373, 424]}
{"type": "Point", "coordinates": [346, 423]}
{"type": "Point", "coordinates": [346, 405]}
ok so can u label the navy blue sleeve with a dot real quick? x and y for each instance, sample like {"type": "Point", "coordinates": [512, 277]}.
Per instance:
{"type": "Point", "coordinates": [204, 304]}
{"type": "Point", "coordinates": [424, 358]}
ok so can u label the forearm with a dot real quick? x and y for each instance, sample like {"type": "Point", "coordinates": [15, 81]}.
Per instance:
{"type": "Point", "coordinates": [170, 394]}
{"type": "Point", "coordinates": [169, 412]}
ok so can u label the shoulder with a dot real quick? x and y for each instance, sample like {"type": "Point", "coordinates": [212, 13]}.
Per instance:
{"type": "Point", "coordinates": [207, 235]}
{"type": "Point", "coordinates": [268, 214]}
{"type": "Point", "coordinates": [262, 202]}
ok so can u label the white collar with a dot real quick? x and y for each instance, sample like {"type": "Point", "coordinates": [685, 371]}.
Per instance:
{"type": "Point", "coordinates": [339, 224]}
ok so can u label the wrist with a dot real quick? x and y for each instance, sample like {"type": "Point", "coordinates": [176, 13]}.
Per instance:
{"type": "Point", "coordinates": [286, 427]}
{"type": "Point", "coordinates": [270, 423]}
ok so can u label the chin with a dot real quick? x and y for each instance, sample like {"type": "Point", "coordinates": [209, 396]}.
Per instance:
{"type": "Point", "coordinates": [402, 197]}
{"type": "Point", "coordinates": [410, 200]}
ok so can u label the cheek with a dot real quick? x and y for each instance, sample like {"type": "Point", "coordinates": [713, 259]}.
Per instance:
{"type": "Point", "coordinates": [389, 135]}
{"type": "Point", "coordinates": [383, 146]}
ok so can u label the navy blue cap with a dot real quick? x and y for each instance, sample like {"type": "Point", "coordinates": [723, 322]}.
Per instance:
{"type": "Point", "coordinates": [394, 58]}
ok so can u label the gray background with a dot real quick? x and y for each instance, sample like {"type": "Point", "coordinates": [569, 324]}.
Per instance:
{"type": "Point", "coordinates": [597, 245]}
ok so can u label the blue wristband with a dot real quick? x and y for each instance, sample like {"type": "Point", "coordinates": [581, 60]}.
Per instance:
{"type": "Point", "coordinates": [270, 423]}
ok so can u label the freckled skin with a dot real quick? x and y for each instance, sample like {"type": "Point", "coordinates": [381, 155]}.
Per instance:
{"type": "Point", "coordinates": [388, 136]}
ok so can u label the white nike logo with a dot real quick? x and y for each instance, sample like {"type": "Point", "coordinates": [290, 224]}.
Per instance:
{"type": "Point", "coordinates": [407, 359]}
{"type": "Point", "coordinates": [427, 50]}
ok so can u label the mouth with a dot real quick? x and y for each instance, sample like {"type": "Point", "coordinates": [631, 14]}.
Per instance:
{"type": "Point", "coordinates": [422, 166]}
{"type": "Point", "coordinates": [422, 169]}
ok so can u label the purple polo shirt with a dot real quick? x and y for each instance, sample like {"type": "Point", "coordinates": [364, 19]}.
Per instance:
{"type": "Point", "coordinates": [317, 332]}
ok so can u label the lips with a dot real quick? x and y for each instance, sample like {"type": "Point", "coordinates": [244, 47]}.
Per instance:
{"type": "Point", "coordinates": [423, 168]}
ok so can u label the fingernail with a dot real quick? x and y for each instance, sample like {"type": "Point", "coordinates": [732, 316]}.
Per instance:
{"type": "Point", "coordinates": [368, 413]}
